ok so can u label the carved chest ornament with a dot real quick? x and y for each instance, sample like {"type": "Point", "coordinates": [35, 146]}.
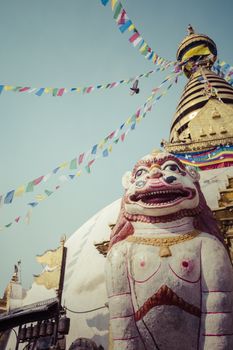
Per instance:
{"type": "Point", "coordinates": [163, 243]}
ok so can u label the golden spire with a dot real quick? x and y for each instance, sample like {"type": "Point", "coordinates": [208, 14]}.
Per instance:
{"type": "Point", "coordinates": [207, 99]}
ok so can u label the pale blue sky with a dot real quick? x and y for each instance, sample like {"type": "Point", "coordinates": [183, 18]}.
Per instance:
{"type": "Point", "coordinates": [67, 43]}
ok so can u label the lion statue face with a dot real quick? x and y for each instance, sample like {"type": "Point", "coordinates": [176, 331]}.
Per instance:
{"type": "Point", "coordinates": [160, 186]}
{"type": "Point", "coordinates": [161, 189]}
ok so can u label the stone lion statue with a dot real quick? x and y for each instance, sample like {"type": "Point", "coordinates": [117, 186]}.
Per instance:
{"type": "Point", "coordinates": [168, 273]}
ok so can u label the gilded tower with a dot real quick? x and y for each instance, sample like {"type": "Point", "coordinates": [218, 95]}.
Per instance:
{"type": "Point", "coordinates": [201, 133]}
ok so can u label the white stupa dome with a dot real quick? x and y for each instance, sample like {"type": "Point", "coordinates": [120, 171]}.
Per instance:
{"type": "Point", "coordinates": [84, 284]}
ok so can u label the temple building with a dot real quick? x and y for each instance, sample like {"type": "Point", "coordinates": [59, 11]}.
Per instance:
{"type": "Point", "coordinates": [201, 135]}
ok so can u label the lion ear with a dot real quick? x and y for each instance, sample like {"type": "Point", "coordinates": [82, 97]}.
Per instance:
{"type": "Point", "coordinates": [126, 180]}
{"type": "Point", "coordinates": [193, 173]}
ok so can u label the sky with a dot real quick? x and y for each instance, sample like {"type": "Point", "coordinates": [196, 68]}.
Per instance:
{"type": "Point", "coordinates": [72, 43]}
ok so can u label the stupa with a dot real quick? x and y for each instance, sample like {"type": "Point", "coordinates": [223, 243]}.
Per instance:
{"type": "Point", "coordinates": [201, 133]}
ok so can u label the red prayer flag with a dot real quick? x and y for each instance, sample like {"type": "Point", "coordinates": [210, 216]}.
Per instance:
{"type": "Point", "coordinates": [134, 37]}
{"type": "Point", "coordinates": [80, 158]}
{"type": "Point", "coordinates": [138, 113]}
{"type": "Point", "coordinates": [110, 136]}
{"type": "Point", "coordinates": [38, 180]}
{"type": "Point", "coordinates": [24, 89]}
{"type": "Point", "coordinates": [90, 163]}
{"type": "Point", "coordinates": [89, 89]}
{"type": "Point", "coordinates": [61, 92]}
{"type": "Point", "coordinates": [123, 137]}
{"type": "Point", "coordinates": [122, 17]}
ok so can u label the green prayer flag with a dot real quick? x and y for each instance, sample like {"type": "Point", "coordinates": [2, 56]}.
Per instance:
{"type": "Point", "coordinates": [88, 169]}
{"type": "Point", "coordinates": [73, 163]}
{"type": "Point", "coordinates": [133, 118]}
{"type": "Point", "coordinates": [30, 187]}
{"type": "Point", "coordinates": [117, 10]}
{"type": "Point", "coordinates": [55, 91]}
{"type": "Point", "coordinates": [48, 192]}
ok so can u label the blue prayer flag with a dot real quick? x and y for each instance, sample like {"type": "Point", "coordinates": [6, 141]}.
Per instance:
{"type": "Point", "coordinates": [104, 2]}
{"type": "Point", "coordinates": [94, 149]}
{"type": "Point", "coordinates": [125, 26]}
{"type": "Point", "coordinates": [105, 152]}
{"type": "Point", "coordinates": [33, 204]}
{"type": "Point", "coordinates": [9, 197]}
{"type": "Point", "coordinates": [40, 92]}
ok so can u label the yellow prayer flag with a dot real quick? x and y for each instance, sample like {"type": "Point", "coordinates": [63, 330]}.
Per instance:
{"type": "Point", "coordinates": [128, 121]}
{"type": "Point", "coordinates": [8, 87]}
{"type": "Point", "coordinates": [131, 27]}
{"type": "Point", "coordinates": [160, 60]}
{"type": "Point", "coordinates": [78, 173]}
{"type": "Point", "coordinates": [222, 63]}
{"type": "Point", "coordinates": [48, 90]}
{"type": "Point", "coordinates": [64, 165]}
{"type": "Point", "coordinates": [113, 4]}
{"type": "Point", "coordinates": [28, 216]}
{"type": "Point", "coordinates": [143, 47]}
{"type": "Point", "coordinates": [101, 144]}
{"type": "Point", "coordinates": [110, 148]}
{"type": "Point", "coordinates": [40, 197]}
{"type": "Point", "coordinates": [20, 190]}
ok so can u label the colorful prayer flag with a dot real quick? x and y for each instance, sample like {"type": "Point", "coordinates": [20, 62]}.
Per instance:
{"type": "Point", "coordinates": [73, 163]}
{"type": "Point", "coordinates": [38, 180]}
{"type": "Point", "coordinates": [33, 204]}
{"type": "Point", "coordinates": [30, 186]}
{"type": "Point", "coordinates": [105, 152]}
{"type": "Point", "coordinates": [9, 197]}
{"type": "Point", "coordinates": [104, 2]}
{"type": "Point", "coordinates": [80, 158]}
{"type": "Point", "coordinates": [94, 149]}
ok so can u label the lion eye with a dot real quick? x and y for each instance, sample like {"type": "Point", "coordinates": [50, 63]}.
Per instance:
{"type": "Point", "coordinates": [172, 167]}
{"type": "Point", "coordinates": [140, 172]}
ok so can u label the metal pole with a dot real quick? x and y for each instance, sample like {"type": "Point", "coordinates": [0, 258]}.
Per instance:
{"type": "Point", "coordinates": [59, 292]}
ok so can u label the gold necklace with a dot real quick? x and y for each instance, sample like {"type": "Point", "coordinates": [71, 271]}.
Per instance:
{"type": "Point", "coordinates": [163, 243]}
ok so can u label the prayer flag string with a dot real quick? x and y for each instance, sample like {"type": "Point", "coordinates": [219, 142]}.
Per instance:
{"type": "Point", "coordinates": [224, 70]}
{"type": "Point", "coordinates": [79, 160]}
{"type": "Point", "coordinates": [58, 92]}
{"type": "Point", "coordinates": [125, 24]}
{"type": "Point", "coordinates": [115, 137]}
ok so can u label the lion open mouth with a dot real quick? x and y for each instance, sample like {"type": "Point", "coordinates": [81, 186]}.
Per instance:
{"type": "Point", "coordinates": [162, 197]}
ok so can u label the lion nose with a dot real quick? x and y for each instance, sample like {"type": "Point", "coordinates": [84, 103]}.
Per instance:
{"type": "Point", "coordinates": [155, 173]}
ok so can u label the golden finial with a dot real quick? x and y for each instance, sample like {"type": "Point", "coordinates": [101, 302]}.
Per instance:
{"type": "Point", "coordinates": [190, 30]}
{"type": "Point", "coordinates": [63, 240]}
